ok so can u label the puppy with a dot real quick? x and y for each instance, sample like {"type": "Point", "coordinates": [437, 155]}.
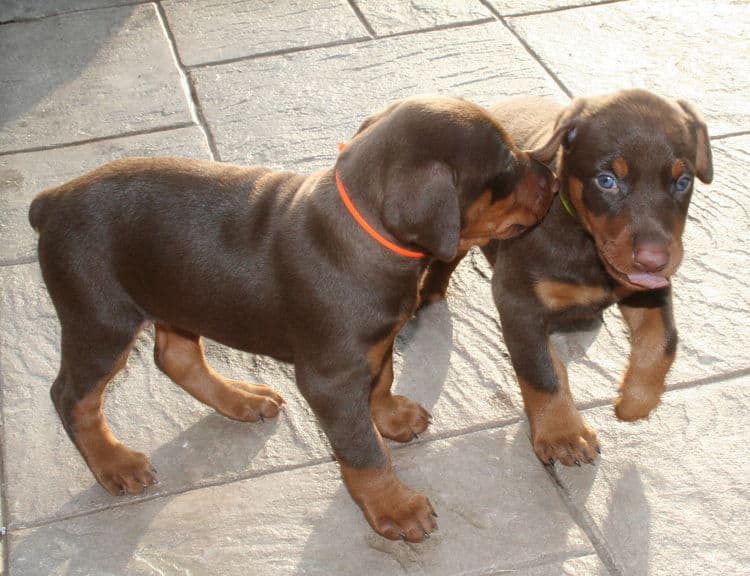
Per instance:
{"type": "Point", "coordinates": [320, 270]}
{"type": "Point", "coordinates": [627, 163]}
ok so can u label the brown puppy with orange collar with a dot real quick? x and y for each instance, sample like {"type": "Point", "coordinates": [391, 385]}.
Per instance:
{"type": "Point", "coordinates": [276, 263]}
{"type": "Point", "coordinates": [627, 162]}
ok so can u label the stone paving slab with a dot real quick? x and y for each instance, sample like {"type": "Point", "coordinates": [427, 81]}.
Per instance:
{"type": "Point", "coordinates": [24, 175]}
{"type": "Point", "coordinates": [511, 7]}
{"type": "Point", "coordinates": [24, 9]}
{"type": "Point", "coordinates": [227, 29]}
{"type": "Point", "coordinates": [396, 17]}
{"type": "Point", "coordinates": [96, 73]}
{"type": "Point", "coordinates": [584, 566]}
{"type": "Point", "coordinates": [304, 522]}
{"type": "Point", "coordinates": [670, 496]}
{"type": "Point", "coordinates": [692, 50]}
{"type": "Point", "coordinates": [261, 112]}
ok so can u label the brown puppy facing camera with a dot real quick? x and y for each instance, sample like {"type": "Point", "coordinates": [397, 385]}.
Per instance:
{"type": "Point", "coordinates": [627, 163]}
{"type": "Point", "coordinates": [320, 270]}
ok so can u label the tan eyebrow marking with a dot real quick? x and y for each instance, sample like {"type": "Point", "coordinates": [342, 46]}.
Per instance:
{"type": "Point", "coordinates": [620, 166]}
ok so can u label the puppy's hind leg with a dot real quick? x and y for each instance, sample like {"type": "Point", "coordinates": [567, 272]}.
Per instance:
{"type": "Point", "coordinates": [180, 356]}
{"type": "Point", "coordinates": [91, 356]}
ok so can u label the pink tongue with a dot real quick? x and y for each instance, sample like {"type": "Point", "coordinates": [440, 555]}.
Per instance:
{"type": "Point", "coordinates": [649, 280]}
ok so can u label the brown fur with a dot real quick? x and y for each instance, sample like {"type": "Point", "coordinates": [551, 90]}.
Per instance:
{"type": "Point", "coordinates": [273, 263]}
{"type": "Point", "coordinates": [622, 244]}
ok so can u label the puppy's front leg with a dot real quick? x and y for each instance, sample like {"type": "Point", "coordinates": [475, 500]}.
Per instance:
{"type": "Point", "coordinates": [341, 403]}
{"type": "Point", "coordinates": [653, 341]}
{"type": "Point", "coordinates": [558, 432]}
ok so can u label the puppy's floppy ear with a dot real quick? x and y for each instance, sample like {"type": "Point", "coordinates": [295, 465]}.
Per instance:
{"type": "Point", "coordinates": [564, 132]}
{"type": "Point", "coordinates": [421, 207]}
{"type": "Point", "coordinates": [704, 167]}
{"type": "Point", "coordinates": [372, 118]}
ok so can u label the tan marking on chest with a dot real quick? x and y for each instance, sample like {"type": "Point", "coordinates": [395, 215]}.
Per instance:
{"type": "Point", "coordinates": [557, 295]}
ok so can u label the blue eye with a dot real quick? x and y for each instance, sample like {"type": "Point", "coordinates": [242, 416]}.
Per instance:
{"type": "Point", "coordinates": [683, 183]}
{"type": "Point", "coordinates": [606, 181]}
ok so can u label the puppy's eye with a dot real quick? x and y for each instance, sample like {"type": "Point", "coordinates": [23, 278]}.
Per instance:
{"type": "Point", "coordinates": [683, 183]}
{"type": "Point", "coordinates": [606, 182]}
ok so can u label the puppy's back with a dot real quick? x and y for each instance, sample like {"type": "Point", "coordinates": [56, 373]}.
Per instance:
{"type": "Point", "coordinates": [528, 119]}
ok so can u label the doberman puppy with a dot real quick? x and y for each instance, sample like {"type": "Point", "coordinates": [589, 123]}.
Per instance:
{"type": "Point", "coordinates": [279, 264]}
{"type": "Point", "coordinates": [626, 162]}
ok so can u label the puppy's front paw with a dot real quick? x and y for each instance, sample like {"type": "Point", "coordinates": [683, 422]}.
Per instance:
{"type": "Point", "coordinates": [124, 471]}
{"type": "Point", "coordinates": [570, 445]}
{"type": "Point", "coordinates": [402, 515]}
{"type": "Point", "coordinates": [399, 418]}
{"type": "Point", "coordinates": [636, 402]}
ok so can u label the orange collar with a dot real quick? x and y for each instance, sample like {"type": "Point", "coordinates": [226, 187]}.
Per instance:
{"type": "Point", "coordinates": [369, 229]}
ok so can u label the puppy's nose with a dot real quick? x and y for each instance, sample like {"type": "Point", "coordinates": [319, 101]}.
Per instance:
{"type": "Point", "coordinates": [650, 257]}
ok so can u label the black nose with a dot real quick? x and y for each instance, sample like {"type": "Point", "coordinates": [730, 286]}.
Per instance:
{"type": "Point", "coordinates": [650, 257]}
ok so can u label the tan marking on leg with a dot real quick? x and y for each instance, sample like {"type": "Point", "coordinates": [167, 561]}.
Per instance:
{"type": "Point", "coordinates": [620, 167]}
{"type": "Point", "coordinates": [643, 383]}
{"type": "Point", "coordinates": [180, 355]}
{"type": "Point", "coordinates": [392, 508]}
{"type": "Point", "coordinates": [558, 431]}
{"type": "Point", "coordinates": [433, 285]}
{"type": "Point", "coordinates": [557, 295]}
{"type": "Point", "coordinates": [117, 468]}
{"type": "Point", "coordinates": [396, 417]}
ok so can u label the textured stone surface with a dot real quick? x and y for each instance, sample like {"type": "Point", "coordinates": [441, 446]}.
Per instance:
{"type": "Point", "coordinates": [96, 73]}
{"type": "Point", "coordinates": [304, 522]}
{"type": "Point", "coordinates": [671, 47]}
{"type": "Point", "coordinates": [583, 566]}
{"type": "Point", "coordinates": [508, 7]}
{"type": "Point", "coordinates": [24, 175]}
{"type": "Point", "coordinates": [277, 120]}
{"type": "Point", "coordinates": [224, 29]}
{"type": "Point", "coordinates": [22, 9]}
{"type": "Point", "coordinates": [670, 495]}
{"type": "Point", "coordinates": [394, 17]}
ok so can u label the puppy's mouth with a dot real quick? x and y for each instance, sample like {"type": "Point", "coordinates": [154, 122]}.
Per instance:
{"type": "Point", "coordinates": [636, 280]}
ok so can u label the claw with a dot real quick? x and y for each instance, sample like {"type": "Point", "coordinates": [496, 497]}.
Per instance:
{"type": "Point", "coordinates": [598, 450]}
{"type": "Point", "coordinates": [403, 536]}
{"type": "Point", "coordinates": [260, 417]}
{"type": "Point", "coordinates": [416, 436]}
{"type": "Point", "coordinates": [426, 534]}
{"type": "Point", "coordinates": [577, 463]}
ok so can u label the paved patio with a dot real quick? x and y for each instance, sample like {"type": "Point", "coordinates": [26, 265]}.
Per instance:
{"type": "Point", "coordinates": [280, 84]}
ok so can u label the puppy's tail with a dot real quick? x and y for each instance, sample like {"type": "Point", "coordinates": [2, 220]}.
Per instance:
{"type": "Point", "coordinates": [38, 210]}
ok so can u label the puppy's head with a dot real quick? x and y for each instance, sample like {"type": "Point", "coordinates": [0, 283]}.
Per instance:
{"type": "Point", "coordinates": [629, 162]}
{"type": "Point", "coordinates": [444, 175]}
